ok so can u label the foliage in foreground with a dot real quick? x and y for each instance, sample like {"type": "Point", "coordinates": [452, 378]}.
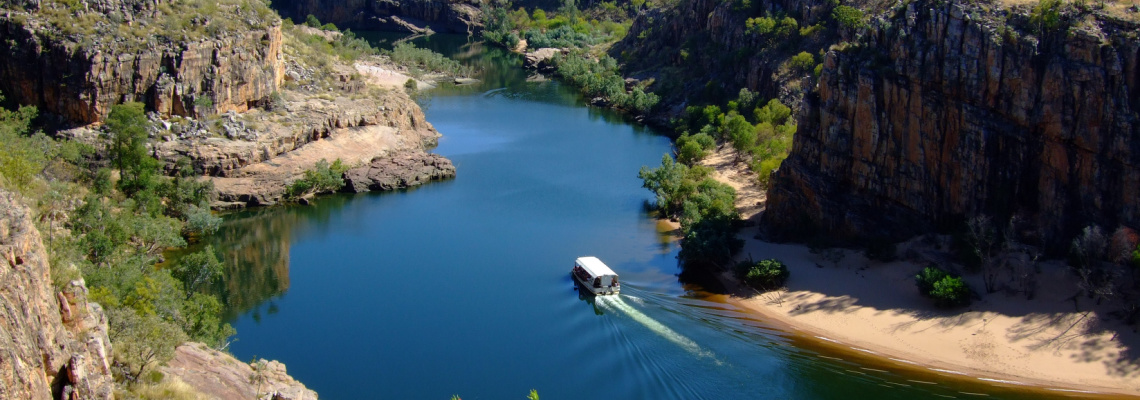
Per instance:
{"type": "Point", "coordinates": [113, 233]}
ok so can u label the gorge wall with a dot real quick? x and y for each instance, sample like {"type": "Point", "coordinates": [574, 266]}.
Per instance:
{"type": "Point", "coordinates": [455, 16]}
{"type": "Point", "coordinates": [79, 73]}
{"type": "Point", "coordinates": [54, 343]}
{"type": "Point", "coordinates": [948, 109]}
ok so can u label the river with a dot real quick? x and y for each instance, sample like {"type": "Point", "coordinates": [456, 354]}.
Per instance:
{"type": "Point", "coordinates": [463, 287]}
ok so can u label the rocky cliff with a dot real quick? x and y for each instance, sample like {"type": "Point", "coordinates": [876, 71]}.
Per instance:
{"type": "Point", "coordinates": [78, 63]}
{"type": "Point", "coordinates": [700, 50]}
{"type": "Point", "coordinates": [455, 16]}
{"type": "Point", "coordinates": [54, 343]}
{"type": "Point", "coordinates": [946, 109]}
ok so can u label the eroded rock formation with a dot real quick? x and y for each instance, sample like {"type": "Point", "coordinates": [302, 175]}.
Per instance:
{"type": "Point", "coordinates": [398, 172]}
{"type": "Point", "coordinates": [80, 75]}
{"type": "Point", "coordinates": [54, 344]}
{"type": "Point", "coordinates": [946, 110]}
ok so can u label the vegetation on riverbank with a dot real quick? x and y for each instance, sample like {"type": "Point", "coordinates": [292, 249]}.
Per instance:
{"type": "Point", "coordinates": [110, 227]}
{"type": "Point", "coordinates": [705, 207]}
{"type": "Point", "coordinates": [586, 35]}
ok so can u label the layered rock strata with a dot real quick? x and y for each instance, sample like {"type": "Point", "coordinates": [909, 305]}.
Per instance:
{"type": "Point", "coordinates": [54, 344]}
{"type": "Point", "coordinates": [946, 110]}
{"type": "Point", "coordinates": [80, 76]}
{"type": "Point", "coordinates": [398, 172]}
{"type": "Point", "coordinates": [455, 16]}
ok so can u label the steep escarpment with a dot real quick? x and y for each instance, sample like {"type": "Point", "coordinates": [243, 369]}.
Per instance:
{"type": "Point", "coordinates": [703, 51]}
{"type": "Point", "coordinates": [456, 16]}
{"type": "Point", "coordinates": [54, 343]}
{"type": "Point", "coordinates": [949, 109]}
{"type": "Point", "coordinates": [178, 57]}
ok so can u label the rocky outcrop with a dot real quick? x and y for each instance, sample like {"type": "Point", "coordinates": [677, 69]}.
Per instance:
{"type": "Point", "coordinates": [540, 59]}
{"type": "Point", "coordinates": [398, 172]}
{"type": "Point", "coordinates": [79, 76]}
{"type": "Point", "coordinates": [946, 110]}
{"type": "Point", "coordinates": [306, 119]}
{"type": "Point", "coordinates": [455, 16]}
{"type": "Point", "coordinates": [54, 343]}
{"type": "Point", "coordinates": [220, 376]}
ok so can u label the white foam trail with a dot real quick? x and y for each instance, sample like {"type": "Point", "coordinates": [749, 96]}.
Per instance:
{"type": "Point", "coordinates": [688, 344]}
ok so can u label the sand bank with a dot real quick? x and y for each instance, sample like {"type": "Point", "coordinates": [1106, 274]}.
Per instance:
{"type": "Point", "coordinates": [837, 296]}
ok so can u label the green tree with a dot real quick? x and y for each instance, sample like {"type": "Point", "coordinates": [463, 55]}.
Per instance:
{"type": "Point", "coordinates": [21, 156]}
{"type": "Point", "coordinates": [197, 269]}
{"type": "Point", "coordinates": [848, 17]}
{"type": "Point", "coordinates": [763, 275]}
{"type": "Point", "coordinates": [322, 178]}
{"type": "Point", "coordinates": [741, 133]}
{"type": "Point", "coordinates": [128, 125]}
{"type": "Point", "coordinates": [141, 342]}
{"type": "Point", "coordinates": [774, 113]}
{"type": "Point", "coordinates": [312, 21]}
{"type": "Point", "coordinates": [802, 62]}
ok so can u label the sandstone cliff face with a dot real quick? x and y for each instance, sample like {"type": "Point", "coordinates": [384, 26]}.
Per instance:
{"type": "Point", "coordinates": [80, 77]}
{"type": "Point", "coordinates": [701, 51]}
{"type": "Point", "coordinates": [945, 111]}
{"type": "Point", "coordinates": [456, 16]}
{"type": "Point", "coordinates": [54, 344]}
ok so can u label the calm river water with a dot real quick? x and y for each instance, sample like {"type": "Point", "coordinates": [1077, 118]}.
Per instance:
{"type": "Point", "coordinates": [463, 287]}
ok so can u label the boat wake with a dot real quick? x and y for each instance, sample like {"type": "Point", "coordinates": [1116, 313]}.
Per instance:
{"type": "Point", "coordinates": [618, 304]}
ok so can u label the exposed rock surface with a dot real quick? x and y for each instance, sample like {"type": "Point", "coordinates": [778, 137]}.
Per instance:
{"type": "Point", "coordinates": [456, 16]}
{"type": "Point", "coordinates": [80, 76]}
{"type": "Point", "coordinates": [221, 376]}
{"type": "Point", "coordinates": [540, 59]}
{"type": "Point", "coordinates": [398, 172]}
{"type": "Point", "coordinates": [305, 120]}
{"type": "Point", "coordinates": [963, 114]}
{"type": "Point", "coordinates": [53, 344]}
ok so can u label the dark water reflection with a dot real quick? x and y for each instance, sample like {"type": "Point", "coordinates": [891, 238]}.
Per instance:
{"type": "Point", "coordinates": [462, 287]}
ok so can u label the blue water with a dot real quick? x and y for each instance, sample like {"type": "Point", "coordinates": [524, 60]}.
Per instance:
{"type": "Point", "coordinates": [463, 287]}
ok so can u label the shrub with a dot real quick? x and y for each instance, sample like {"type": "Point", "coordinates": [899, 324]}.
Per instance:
{"type": "Point", "coordinates": [926, 279]}
{"type": "Point", "coordinates": [951, 292]}
{"type": "Point", "coordinates": [312, 21]}
{"type": "Point", "coordinates": [330, 27]}
{"type": "Point", "coordinates": [763, 275]}
{"type": "Point", "coordinates": [946, 290]}
{"type": "Point", "coordinates": [802, 62]}
{"type": "Point", "coordinates": [322, 178]}
{"type": "Point", "coordinates": [1046, 15]}
{"type": "Point", "coordinates": [848, 17]}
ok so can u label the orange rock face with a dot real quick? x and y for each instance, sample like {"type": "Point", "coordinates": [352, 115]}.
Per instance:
{"type": "Point", "coordinates": [81, 81]}
{"type": "Point", "coordinates": [967, 115]}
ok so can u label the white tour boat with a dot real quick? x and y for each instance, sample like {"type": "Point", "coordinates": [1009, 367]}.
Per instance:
{"type": "Point", "coordinates": [595, 276]}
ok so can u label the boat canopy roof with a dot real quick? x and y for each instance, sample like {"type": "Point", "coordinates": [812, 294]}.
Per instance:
{"type": "Point", "coordinates": [594, 266]}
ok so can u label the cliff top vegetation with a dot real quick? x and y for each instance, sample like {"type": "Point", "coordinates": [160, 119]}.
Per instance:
{"type": "Point", "coordinates": [137, 23]}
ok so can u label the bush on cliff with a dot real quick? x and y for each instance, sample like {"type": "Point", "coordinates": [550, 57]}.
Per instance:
{"type": "Point", "coordinates": [763, 275]}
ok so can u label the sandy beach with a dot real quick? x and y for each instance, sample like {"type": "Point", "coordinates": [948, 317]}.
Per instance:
{"type": "Point", "coordinates": [838, 297]}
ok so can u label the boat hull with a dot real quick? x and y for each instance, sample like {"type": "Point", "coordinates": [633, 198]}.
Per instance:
{"type": "Point", "coordinates": [597, 291]}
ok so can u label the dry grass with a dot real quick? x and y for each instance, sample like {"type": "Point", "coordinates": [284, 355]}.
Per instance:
{"type": "Point", "coordinates": [170, 388]}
